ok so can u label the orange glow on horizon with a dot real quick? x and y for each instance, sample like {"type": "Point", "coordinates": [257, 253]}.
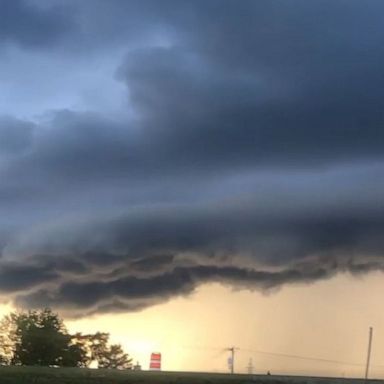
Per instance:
{"type": "Point", "coordinates": [328, 319]}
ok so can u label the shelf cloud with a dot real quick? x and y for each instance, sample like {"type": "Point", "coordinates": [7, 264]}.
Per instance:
{"type": "Point", "coordinates": [156, 149]}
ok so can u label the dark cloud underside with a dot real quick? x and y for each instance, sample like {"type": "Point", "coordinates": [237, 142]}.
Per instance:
{"type": "Point", "coordinates": [24, 24]}
{"type": "Point", "coordinates": [248, 149]}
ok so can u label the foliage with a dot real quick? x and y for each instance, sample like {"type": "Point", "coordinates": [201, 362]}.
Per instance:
{"type": "Point", "coordinates": [115, 357]}
{"type": "Point", "coordinates": [7, 337]}
{"type": "Point", "coordinates": [41, 338]}
{"type": "Point", "coordinates": [96, 348]}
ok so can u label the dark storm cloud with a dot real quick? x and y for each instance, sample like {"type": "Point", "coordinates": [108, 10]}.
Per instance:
{"type": "Point", "coordinates": [15, 135]}
{"type": "Point", "coordinates": [22, 277]}
{"type": "Point", "coordinates": [28, 25]}
{"type": "Point", "coordinates": [249, 152]}
{"type": "Point", "coordinates": [236, 248]}
{"type": "Point", "coordinates": [180, 281]}
{"type": "Point", "coordinates": [317, 102]}
{"type": "Point", "coordinates": [151, 264]}
{"type": "Point", "coordinates": [133, 293]}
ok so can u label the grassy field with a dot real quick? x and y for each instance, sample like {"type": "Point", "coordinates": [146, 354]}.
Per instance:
{"type": "Point", "coordinates": [35, 375]}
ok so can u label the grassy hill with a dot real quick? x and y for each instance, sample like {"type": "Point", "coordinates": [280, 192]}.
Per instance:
{"type": "Point", "coordinates": [37, 375]}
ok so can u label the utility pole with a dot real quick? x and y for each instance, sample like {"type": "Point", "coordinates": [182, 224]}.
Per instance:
{"type": "Point", "coordinates": [369, 353]}
{"type": "Point", "coordinates": [250, 367]}
{"type": "Point", "coordinates": [231, 360]}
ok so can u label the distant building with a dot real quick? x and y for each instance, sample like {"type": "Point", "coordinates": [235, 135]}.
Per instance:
{"type": "Point", "coordinates": [137, 366]}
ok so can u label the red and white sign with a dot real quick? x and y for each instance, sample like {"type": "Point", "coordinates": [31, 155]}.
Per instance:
{"type": "Point", "coordinates": [155, 364]}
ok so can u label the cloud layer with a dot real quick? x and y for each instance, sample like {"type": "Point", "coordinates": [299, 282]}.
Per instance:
{"type": "Point", "coordinates": [196, 142]}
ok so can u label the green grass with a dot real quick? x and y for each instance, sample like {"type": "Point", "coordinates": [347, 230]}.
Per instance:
{"type": "Point", "coordinates": [38, 375]}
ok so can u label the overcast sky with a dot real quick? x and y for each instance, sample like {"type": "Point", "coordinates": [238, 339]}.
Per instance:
{"type": "Point", "coordinates": [150, 147]}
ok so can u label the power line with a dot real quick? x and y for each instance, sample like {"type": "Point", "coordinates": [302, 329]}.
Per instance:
{"type": "Point", "coordinates": [286, 355]}
{"type": "Point", "coordinates": [203, 347]}
{"type": "Point", "coordinates": [301, 357]}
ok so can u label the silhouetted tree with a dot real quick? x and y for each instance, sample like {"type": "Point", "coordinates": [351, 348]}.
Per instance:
{"type": "Point", "coordinates": [41, 338]}
{"type": "Point", "coordinates": [97, 349]}
{"type": "Point", "coordinates": [93, 345]}
{"type": "Point", "coordinates": [7, 330]}
{"type": "Point", "coordinates": [115, 357]}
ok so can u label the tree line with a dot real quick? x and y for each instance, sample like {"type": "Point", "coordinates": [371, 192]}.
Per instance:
{"type": "Point", "coordinates": [41, 338]}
